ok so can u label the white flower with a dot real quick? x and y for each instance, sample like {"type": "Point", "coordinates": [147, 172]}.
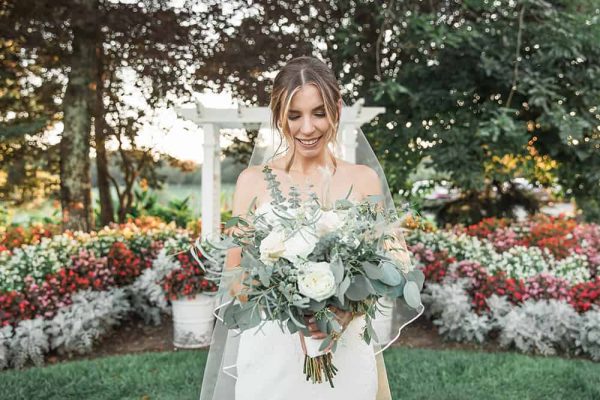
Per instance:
{"type": "Point", "coordinates": [272, 247]}
{"type": "Point", "coordinates": [316, 281]}
{"type": "Point", "coordinates": [300, 245]}
{"type": "Point", "coordinates": [328, 222]}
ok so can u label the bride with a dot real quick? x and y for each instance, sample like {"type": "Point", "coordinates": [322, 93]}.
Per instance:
{"type": "Point", "coordinates": [266, 362]}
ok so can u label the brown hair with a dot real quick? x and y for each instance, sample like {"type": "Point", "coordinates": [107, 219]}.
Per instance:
{"type": "Point", "coordinates": [297, 72]}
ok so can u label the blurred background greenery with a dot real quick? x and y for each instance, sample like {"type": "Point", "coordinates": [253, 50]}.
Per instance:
{"type": "Point", "coordinates": [491, 106]}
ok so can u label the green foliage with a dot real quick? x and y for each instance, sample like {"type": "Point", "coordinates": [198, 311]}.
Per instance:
{"type": "Point", "coordinates": [146, 204]}
{"type": "Point", "coordinates": [482, 80]}
{"type": "Point", "coordinates": [464, 84]}
{"type": "Point", "coordinates": [5, 217]}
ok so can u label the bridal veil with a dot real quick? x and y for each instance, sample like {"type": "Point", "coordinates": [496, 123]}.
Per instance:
{"type": "Point", "coordinates": [220, 371]}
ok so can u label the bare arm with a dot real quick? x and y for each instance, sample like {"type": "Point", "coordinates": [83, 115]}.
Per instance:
{"type": "Point", "coordinates": [245, 192]}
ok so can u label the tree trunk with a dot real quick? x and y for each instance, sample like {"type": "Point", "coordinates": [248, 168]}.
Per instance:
{"type": "Point", "coordinates": [106, 205]}
{"type": "Point", "coordinates": [75, 179]}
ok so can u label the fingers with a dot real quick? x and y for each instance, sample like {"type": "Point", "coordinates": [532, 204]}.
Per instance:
{"type": "Point", "coordinates": [311, 323]}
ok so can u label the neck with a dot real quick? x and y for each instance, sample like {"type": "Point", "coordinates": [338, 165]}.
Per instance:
{"type": "Point", "coordinates": [308, 166]}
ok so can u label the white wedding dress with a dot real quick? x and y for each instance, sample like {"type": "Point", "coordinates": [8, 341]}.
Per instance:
{"type": "Point", "coordinates": [270, 362]}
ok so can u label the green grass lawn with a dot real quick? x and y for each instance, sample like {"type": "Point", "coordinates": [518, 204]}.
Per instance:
{"type": "Point", "coordinates": [413, 373]}
{"type": "Point", "coordinates": [169, 192]}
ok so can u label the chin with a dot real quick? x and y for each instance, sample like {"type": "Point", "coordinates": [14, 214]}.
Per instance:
{"type": "Point", "coordinates": [316, 152]}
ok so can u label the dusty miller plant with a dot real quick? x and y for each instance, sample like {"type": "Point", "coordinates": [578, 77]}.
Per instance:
{"type": "Point", "coordinates": [539, 326]}
{"type": "Point", "coordinates": [92, 314]}
{"type": "Point", "coordinates": [449, 304]}
{"type": "Point", "coordinates": [29, 342]}
{"type": "Point", "coordinates": [587, 338]}
{"type": "Point", "coordinates": [146, 295]}
{"type": "Point", "coordinates": [6, 334]}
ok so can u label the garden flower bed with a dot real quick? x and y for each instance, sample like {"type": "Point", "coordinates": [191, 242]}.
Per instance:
{"type": "Point", "coordinates": [533, 285]}
{"type": "Point", "coordinates": [65, 291]}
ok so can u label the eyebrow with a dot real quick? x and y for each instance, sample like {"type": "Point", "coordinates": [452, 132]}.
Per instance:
{"type": "Point", "coordinates": [316, 108]}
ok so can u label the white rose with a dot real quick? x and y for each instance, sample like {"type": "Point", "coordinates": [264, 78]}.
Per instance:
{"type": "Point", "coordinates": [272, 247]}
{"type": "Point", "coordinates": [316, 281]}
{"type": "Point", "coordinates": [329, 221]}
{"type": "Point", "coordinates": [300, 245]}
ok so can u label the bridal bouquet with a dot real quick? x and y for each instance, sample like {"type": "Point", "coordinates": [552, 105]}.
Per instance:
{"type": "Point", "coordinates": [298, 258]}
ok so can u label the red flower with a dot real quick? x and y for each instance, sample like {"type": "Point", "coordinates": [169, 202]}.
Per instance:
{"type": "Point", "coordinates": [187, 280]}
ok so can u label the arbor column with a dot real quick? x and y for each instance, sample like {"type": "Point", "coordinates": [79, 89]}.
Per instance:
{"type": "Point", "coordinates": [211, 182]}
{"type": "Point", "coordinates": [349, 143]}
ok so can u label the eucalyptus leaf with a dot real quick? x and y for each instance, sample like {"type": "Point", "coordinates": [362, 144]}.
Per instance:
{"type": "Point", "coordinates": [373, 271]}
{"type": "Point", "coordinates": [248, 261]}
{"type": "Point", "coordinates": [322, 325]}
{"type": "Point", "coordinates": [371, 331]}
{"type": "Point", "coordinates": [298, 323]}
{"type": "Point", "coordinates": [292, 328]}
{"type": "Point", "coordinates": [335, 325]}
{"type": "Point", "coordinates": [344, 285]}
{"type": "Point", "coordinates": [229, 316]}
{"type": "Point", "coordinates": [247, 316]}
{"type": "Point", "coordinates": [417, 276]}
{"type": "Point", "coordinates": [315, 306]}
{"type": "Point", "coordinates": [358, 289]}
{"type": "Point", "coordinates": [302, 302]}
{"type": "Point", "coordinates": [264, 274]}
{"type": "Point", "coordinates": [374, 198]}
{"type": "Point", "coordinates": [412, 295]}
{"type": "Point", "coordinates": [381, 288]}
{"type": "Point", "coordinates": [391, 275]}
{"type": "Point", "coordinates": [231, 222]}
{"type": "Point", "coordinates": [343, 204]}
{"type": "Point", "coordinates": [325, 343]}
{"type": "Point", "coordinates": [337, 268]}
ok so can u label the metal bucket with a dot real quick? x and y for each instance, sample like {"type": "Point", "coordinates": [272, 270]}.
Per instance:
{"type": "Point", "coordinates": [193, 321]}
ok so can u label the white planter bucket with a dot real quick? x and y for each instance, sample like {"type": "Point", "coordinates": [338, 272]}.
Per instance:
{"type": "Point", "coordinates": [193, 321]}
{"type": "Point", "coordinates": [382, 323]}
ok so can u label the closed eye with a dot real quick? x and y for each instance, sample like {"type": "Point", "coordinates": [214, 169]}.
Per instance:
{"type": "Point", "coordinates": [320, 115]}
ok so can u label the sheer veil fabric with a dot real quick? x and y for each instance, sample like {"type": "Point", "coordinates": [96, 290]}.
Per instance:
{"type": "Point", "coordinates": [220, 372]}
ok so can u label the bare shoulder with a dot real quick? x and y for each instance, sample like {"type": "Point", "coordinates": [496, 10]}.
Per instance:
{"type": "Point", "coordinates": [365, 173]}
{"type": "Point", "coordinates": [365, 178]}
{"type": "Point", "coordinates": [250, 174]}
{"type": "Point", "coordinates": [358, 172]}
{"type": "Point", "coordinates": [247, 188]}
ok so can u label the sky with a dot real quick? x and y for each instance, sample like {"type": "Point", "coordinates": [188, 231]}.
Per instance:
{"type": "Point", "coordinates": [182, 139]}
{"type": "Point", "coordinates": [164, 131]}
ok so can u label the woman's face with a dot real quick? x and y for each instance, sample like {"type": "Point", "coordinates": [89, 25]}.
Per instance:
{"type": "Point", "coordinates": [308, 122]}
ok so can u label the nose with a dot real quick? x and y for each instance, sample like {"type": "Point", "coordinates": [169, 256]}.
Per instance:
{"type": "Point", "coordinates": [307, 126]}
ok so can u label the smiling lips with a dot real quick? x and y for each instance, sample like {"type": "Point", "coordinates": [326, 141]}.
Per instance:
{"type": "Point", "coordinates": [310, 142]}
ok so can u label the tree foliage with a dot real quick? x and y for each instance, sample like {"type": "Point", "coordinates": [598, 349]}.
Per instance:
{"type": "Point", "coordinates": [484, 91]}
{"type": "Point", "coordinates": [160, 44]}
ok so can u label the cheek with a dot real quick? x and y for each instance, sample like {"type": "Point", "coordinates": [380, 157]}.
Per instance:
{"type": "Point", "coordinates": [323, 125]}
{"type": "Point", "coordinates": [294, 127]}
{"type": "Point", "coordinates": [320, 124]}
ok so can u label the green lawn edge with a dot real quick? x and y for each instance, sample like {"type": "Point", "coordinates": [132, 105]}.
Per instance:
{"type": "Point", "coordinates": [413, 374]}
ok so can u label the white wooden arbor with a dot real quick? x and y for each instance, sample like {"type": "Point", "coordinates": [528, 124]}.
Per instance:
{"type": "Point", "coordinates": [212, 120]}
